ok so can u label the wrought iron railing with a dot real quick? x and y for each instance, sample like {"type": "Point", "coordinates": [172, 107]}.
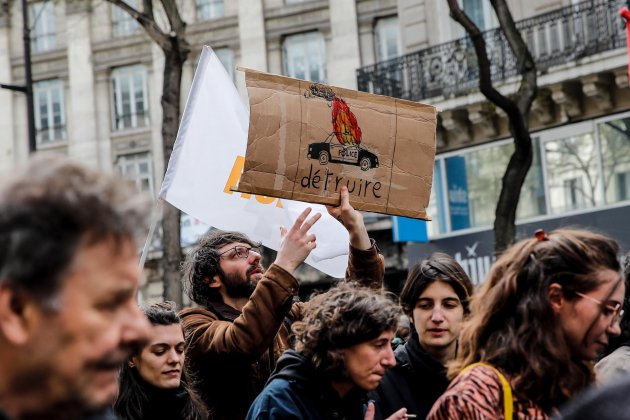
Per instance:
{"type": "Point", "coordinates": [451, 69]}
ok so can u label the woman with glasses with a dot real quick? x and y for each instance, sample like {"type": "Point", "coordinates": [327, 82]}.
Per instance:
{"type": "Point", "coordinates": [547, 309]}
{"type": "Point", "coordinates": [435, 297]}
{"type": "Point", "coordinates": [615, 362]}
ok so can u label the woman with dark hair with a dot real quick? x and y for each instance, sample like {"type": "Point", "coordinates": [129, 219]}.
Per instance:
{"type": "Point", "coordinates": [342, 351]}
{"type": "Point", "coordinates": [435, 297]}
{"type": "Point", "coordinates": [154, 383]}
{"type": "Point", "coordinates": [548, 307]}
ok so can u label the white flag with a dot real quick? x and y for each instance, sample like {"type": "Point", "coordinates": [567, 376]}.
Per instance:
{"type": "Point", "coordinates": [208, 159]}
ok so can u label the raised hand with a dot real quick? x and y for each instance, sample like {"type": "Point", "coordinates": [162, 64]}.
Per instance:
{"type": "Point", "coordinates": [352, 221]}
{"type": "Point", "coordinates": [297, 243]}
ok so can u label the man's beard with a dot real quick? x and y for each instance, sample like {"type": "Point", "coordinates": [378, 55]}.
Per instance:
{"type": "Point", "coordinates": [237, 287]}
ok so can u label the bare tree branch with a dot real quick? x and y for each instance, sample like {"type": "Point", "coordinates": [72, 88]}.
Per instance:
{"type": "Point", "coordinates": [146, 20]}
{"type": "Point", "coordinates": [172, 13]}
{"type": "Point", "coordinates": [525, 63]}
{"type": "Point", "coordinates": [476, 36]}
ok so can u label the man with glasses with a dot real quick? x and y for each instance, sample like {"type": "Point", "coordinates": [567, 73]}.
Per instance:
{"type": "Point", "coordinates": [242, 324]}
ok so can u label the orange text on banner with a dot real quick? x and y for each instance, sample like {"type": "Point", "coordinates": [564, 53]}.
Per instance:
{"type": "Point", "coordinates": [234, 177]}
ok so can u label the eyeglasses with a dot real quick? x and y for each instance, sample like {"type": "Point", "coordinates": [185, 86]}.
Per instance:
{"type": "Point", "coordinates": [241, 251]}
{"type": "Point", "coordinates": [616, 310]}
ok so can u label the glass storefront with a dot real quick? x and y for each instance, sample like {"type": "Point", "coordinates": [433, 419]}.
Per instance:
{"type": "Point", "coordinates": [575, 168]}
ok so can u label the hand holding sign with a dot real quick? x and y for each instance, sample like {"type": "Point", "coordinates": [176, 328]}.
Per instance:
{"type": "Point", "coordinates": [352, 220]}
{"type": "Point", "coordinates": [297, 243]}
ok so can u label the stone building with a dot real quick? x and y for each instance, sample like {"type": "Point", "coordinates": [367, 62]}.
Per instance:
{"type": "Point", "coordinates": [98, 80]}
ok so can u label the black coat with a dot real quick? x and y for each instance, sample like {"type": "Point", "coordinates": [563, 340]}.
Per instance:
{"type": "Point", "coordinates": [416, 382]}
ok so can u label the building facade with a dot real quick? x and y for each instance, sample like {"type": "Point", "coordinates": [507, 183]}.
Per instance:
{"type": "Point", "coordinates": [98, 81]}
{"type": "Point", "coordinates": [580, 126]}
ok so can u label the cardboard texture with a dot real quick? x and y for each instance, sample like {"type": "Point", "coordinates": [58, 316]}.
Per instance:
{"type": "Point", "coordinates": [306, 140]}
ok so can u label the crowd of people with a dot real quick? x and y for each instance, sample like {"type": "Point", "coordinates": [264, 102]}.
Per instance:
{"type": "Point", "coordinates": [75, 344]}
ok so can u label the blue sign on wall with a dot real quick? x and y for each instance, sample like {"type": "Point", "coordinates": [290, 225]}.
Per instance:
{"type": "Point", "coordinates": [457, 182]}
{"type": "Point", "coordinates": [405, 229]}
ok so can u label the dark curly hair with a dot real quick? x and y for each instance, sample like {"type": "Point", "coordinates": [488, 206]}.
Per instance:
{"type": "Point", "coordinates": [345, 315]}
{"type": "Point", "coordinates": [513, 326]}
{"type": "Point", "coordinates": [439, 267]}
{"type": "Point", "coordinates": [132, 398]}
{"type": "Point", "coordinates": [202, 263]}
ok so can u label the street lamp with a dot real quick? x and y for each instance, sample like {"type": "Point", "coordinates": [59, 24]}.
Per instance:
{"type": "Point", "coordinates": [27, 88]}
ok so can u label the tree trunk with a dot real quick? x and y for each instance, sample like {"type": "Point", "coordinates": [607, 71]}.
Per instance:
{"type": "Point", "coordinates": [516, 108]}
{"type": "Point", "coordinates": [172, 42]}
{"type": "Point", "coordinates": [513, 180]}
{"type": "Point", "coordinates": [171, 243]}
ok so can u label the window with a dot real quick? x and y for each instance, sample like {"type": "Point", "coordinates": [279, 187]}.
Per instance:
{"type": "Point", "coordinates": [573, 193]}
{"type": "Point", "coordinates": [479, 12]}
{"type": "Point", "coordinates": [387, 36]}
{"type": "Point", "coordinates": [436, 208]}
{"type": "Point", "coordinates": [137, 168]}
{"type": "Point", "coordinates": [572, 174]}
{"type": "Point", "coordinates": [226, 56]}
{"type": "Point", "coordinates": [614, 138]}
{"type": "Point", "coordinates": [209, 9]}
{"type": "Point", "coordinates": [42, 17]}
{"type": "Point", "coordinates": [575, 168]}
{"type": "Point", "coordinates": [305, 57]}
{"type": "Point", "coordinates": [129, 97]}
{"type": "Point", "coordinates": [473, 181]}
{"type": "Point", "coordinates": [122, 23]}
{"type": "Point", "coordinates": [623, 186]}
{"type": "Point", "coordinates": [50, 120]}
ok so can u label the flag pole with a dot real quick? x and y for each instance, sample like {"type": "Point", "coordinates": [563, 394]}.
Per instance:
{"type": "Point", "coordinates": [155, 217]}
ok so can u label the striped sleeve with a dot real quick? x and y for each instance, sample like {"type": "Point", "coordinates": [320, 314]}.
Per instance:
{"type": "Point", "coordinates": [473, 395]}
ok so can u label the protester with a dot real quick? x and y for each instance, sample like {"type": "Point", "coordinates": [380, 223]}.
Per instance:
{"type": "Point", "coordinates": [616, 363]}
{"type": "Point", "coordinates": [402, 331]}
{"type": "Point", "coordinates": [342, 351]}
{"type": "Point", "coordinates": [242, 326]}
{"type": "Point", "coordinates": [68, 280]}
{"type": "Point", "coordinates": [548, 307]}
{"type": "Point", "coordinates": [435, 297]}
{"type": "Point", "coordinates": [154, 383]}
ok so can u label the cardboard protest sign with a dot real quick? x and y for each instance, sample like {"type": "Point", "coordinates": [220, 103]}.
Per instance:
{"type": "Point", "coordinates": [306, 140]}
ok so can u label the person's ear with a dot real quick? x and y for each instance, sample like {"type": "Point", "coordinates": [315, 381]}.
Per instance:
{"type": "Point", "coordinates": [213, 282]}
{"type": "Point", "coordinates": [556, 297]}
{"type": "Point", "coordinates": [19, 314]}
{"type": "Point", "coordinates": [132, 362]}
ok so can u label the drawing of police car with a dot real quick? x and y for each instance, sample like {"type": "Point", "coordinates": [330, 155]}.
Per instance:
{"type": "Point", "coordinates": [355, 155]}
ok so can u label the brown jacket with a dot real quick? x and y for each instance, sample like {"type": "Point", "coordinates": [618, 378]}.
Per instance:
{"type": "Point", "coordinates": [229, 351]}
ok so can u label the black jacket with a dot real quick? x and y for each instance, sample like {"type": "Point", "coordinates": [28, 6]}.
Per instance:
{"type": "Point", "coordinates": [296, 391]}
{"type": "Point", "coordinates": [416, 382]}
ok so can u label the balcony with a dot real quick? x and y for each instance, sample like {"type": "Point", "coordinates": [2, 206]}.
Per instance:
{"type": "Point", "coordinates": [450, 69]}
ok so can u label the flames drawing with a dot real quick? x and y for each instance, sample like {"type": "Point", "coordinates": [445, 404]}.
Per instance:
{"type": "Point", "coordinates": [345, 124]}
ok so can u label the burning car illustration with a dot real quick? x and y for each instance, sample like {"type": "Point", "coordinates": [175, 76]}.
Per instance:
{"type": "Point", "coordinates": [347, 131]}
